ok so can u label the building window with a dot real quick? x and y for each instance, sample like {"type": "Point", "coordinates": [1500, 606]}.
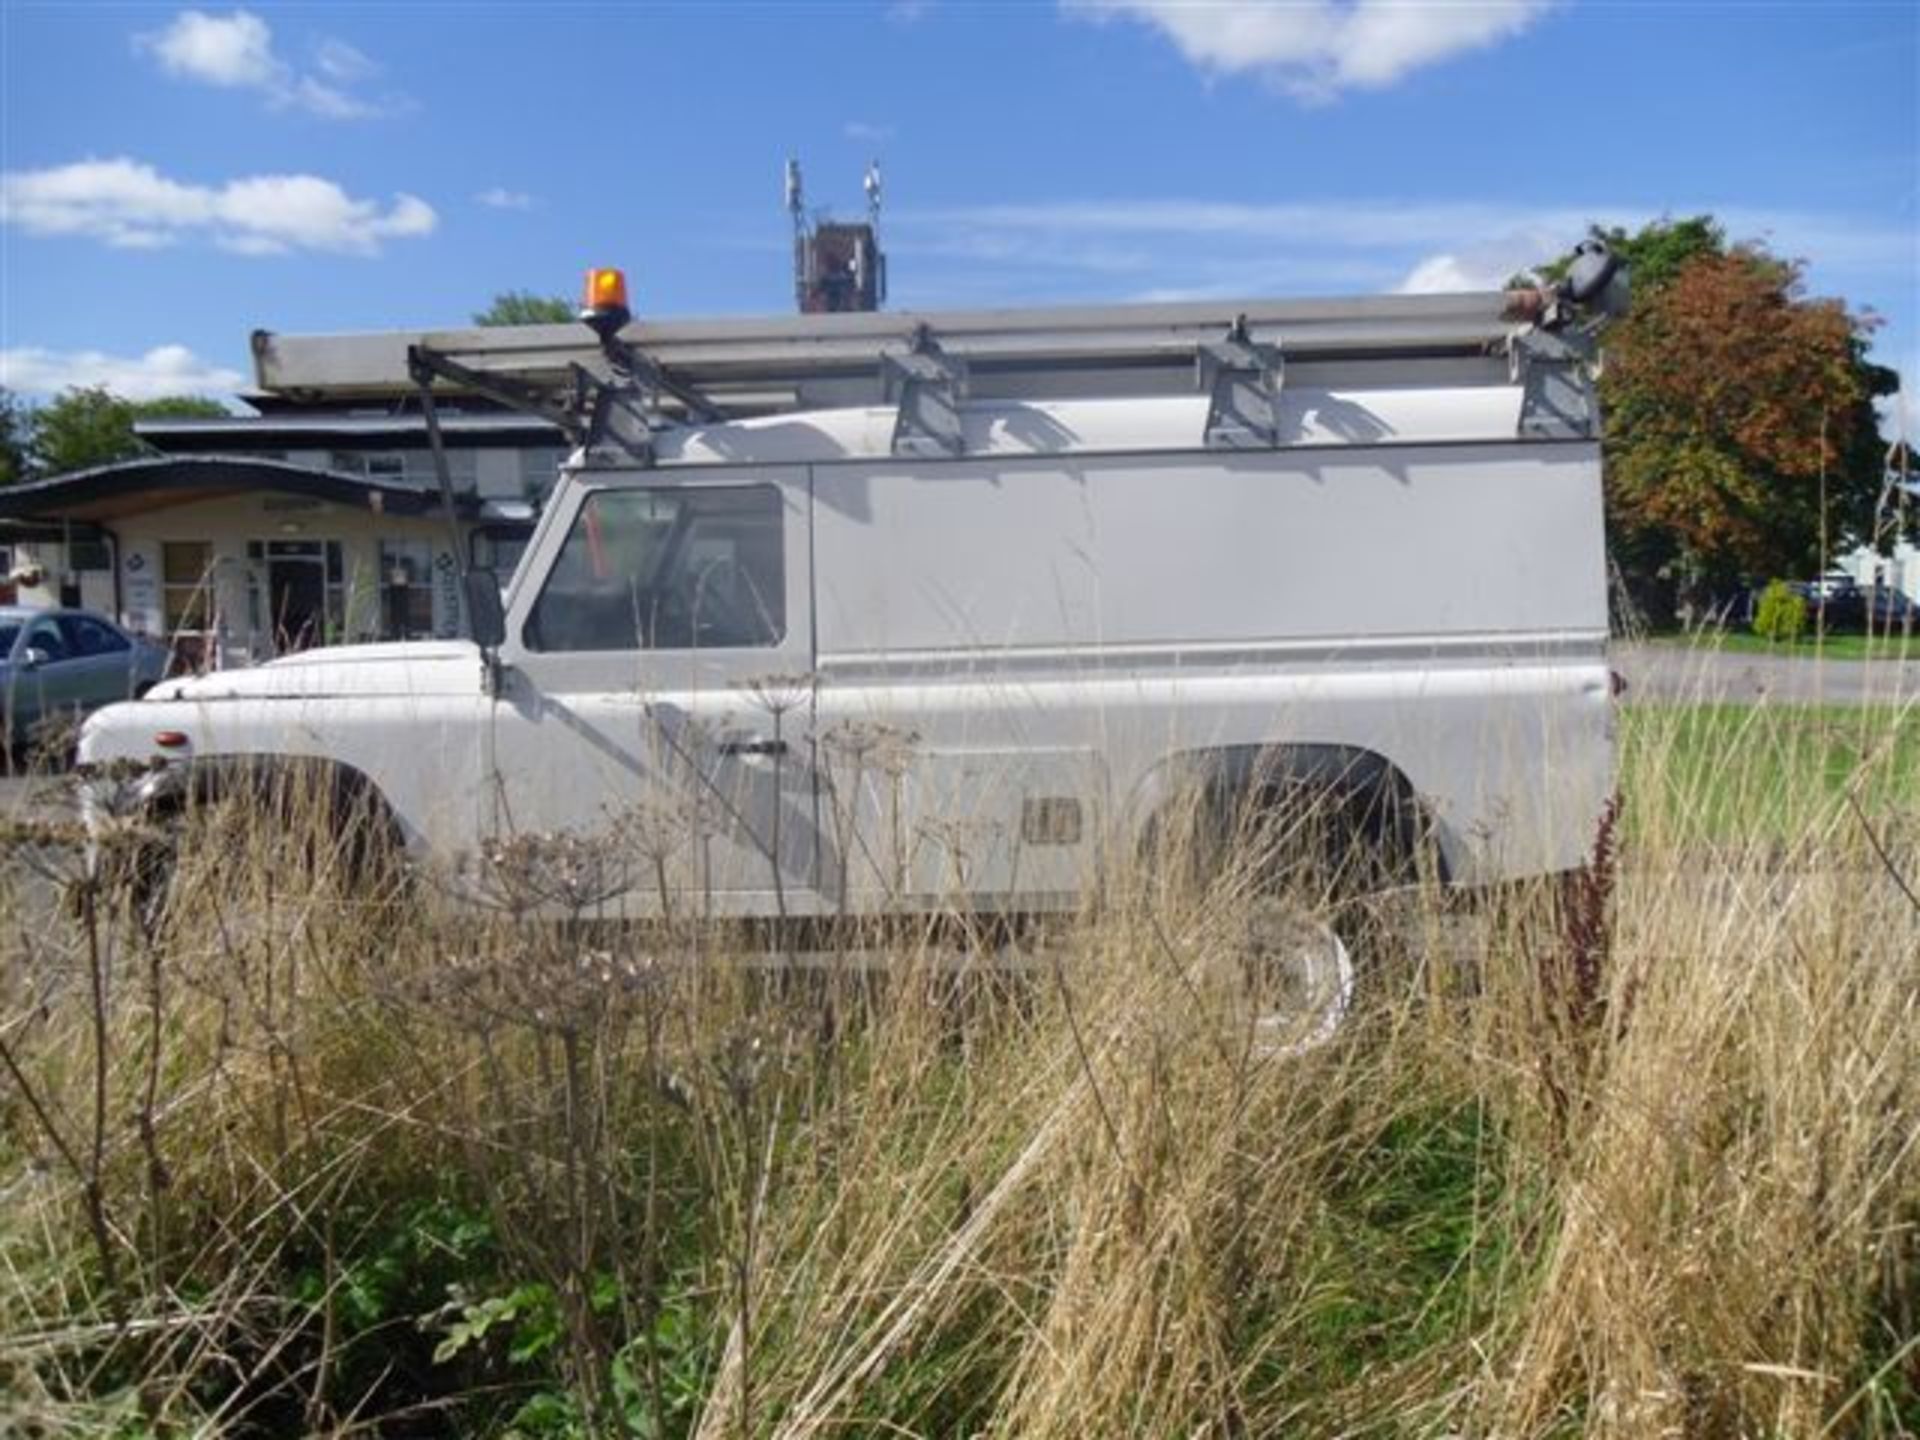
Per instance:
{"type": "Point", "coordinates": [406, 590]}
{"type": "Point", "coordinates": [186, 585]}
{"type": "Point", "coordinates": [407, 467]}
{"type": "Point", "coordinates": [499, 548]}
{"type": "Point", "coordinates": [88, 554]}
{"type": "Point", "coordinates": [539, 469]}
{"type": "Point", "coordinates": [375, 465]}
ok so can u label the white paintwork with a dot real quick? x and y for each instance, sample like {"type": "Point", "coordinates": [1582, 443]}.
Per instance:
{"type": "Point", "coordinates": [1085, 593]}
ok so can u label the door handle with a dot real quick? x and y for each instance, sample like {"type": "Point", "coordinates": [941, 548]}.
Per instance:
{"type": "Point", "coordinates": [753, 747]}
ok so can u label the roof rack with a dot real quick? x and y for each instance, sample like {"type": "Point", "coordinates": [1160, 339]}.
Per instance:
{"type": "Point", "coordinates": [1240, 353]}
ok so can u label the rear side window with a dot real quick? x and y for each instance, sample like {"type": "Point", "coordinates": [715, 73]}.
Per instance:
{"type": "Point", "coordinates": [667, 569]}
{"type": "Point", "coordinates": [87, 636]}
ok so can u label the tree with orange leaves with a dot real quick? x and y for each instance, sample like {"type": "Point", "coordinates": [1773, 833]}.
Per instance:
{"type": "Point", "coordinates": [1741, 438]}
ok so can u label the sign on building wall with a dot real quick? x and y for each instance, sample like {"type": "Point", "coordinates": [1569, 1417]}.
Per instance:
{"type": "Point", "coordinates": [140, 588]}
{"type": "Point", "coordinates": [446, 595]}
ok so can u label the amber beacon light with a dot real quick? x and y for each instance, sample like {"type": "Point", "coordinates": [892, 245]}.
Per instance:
{"type": "Point", "coordinates": [604, 307]}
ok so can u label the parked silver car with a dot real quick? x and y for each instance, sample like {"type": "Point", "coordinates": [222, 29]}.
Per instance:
{"type": "Point", "coordinates": [67, 662]}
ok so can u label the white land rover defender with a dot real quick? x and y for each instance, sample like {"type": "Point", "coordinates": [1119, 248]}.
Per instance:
{"type": "Point", "coordinates": [923, 611]}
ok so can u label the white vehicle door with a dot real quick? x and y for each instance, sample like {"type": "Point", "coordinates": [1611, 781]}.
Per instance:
{"type": "Point", "coordinates": [657, 698]}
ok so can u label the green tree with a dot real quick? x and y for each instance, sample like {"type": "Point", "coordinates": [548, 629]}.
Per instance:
{"type": "Point", "coordinates": [523, 307]}
{"type": "Point", "coordinates": [15, 421]}
{"type": "Point", "coordinates": [1657, 252]}
{"type": "Point", "coordinates": [1741, 441]}
{"type": "Point", "coordinates": [88, 426]}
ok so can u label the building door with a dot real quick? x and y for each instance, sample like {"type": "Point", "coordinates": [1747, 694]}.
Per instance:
{"type": "Point", "coordinates": [304, 591]}
{"type": "Point", "coordinates": [658, 698]}
{"type": "Point", "coordinates": [297, 591]}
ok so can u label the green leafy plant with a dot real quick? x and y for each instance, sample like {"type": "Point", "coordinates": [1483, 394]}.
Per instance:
{"type": "Point", "coordinates": [528, 1314]}
{"type": "Point", "coordinates": [1781, 617]}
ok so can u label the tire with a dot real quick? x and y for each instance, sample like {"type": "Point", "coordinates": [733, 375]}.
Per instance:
{"type": "Point", "coordinates": [1297, 986]}
{"type": "Point", "coordinates": [1290, 874]}
{"type": "Point", "coordinates": [311, 836]}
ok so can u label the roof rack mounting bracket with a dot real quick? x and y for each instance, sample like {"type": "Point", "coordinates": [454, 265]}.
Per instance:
{"type": "Point", "coordinates": [646, 380]}
{"type": "Point", "coordinates": [1243, 378]}
{"type": "Point", "coordinates": [613, 419]}
{"type": "Point", "coordinates": [1554, 371]}
{"type": "Point", "coordinates": [927, 385]}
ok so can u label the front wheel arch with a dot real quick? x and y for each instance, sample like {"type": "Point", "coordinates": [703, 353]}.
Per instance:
{"type": "Point", "coordinates": [342, 802]}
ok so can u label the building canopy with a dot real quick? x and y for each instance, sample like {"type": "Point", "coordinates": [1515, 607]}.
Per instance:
{"type": "Point", "coordinates": [134, 487]}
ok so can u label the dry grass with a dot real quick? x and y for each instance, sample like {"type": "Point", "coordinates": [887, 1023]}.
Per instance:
{"type": "Point", "coordinates": [1616, 1161]}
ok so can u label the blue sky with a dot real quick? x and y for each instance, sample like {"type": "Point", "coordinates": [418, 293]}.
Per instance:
{"type": "Point", "coordinates": [175, 178]}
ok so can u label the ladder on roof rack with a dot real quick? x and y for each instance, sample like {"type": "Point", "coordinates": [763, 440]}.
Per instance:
{"type": "Point", "coordinates": [1239, 354]}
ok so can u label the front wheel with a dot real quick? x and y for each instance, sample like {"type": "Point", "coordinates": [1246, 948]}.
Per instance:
{"type": "Point", "coordinates": [290, 848]}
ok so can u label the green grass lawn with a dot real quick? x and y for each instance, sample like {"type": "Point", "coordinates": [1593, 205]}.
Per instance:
{"type": "Point", "coordinates": [1731, 772]}
{"type": "Point", "coordinates": [1809, 647]}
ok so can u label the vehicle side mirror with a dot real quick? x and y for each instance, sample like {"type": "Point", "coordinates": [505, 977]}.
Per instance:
{"type": "Point", "coordinates": [486, 617]}
{"type": "Point", "coordinates": [34, 658]}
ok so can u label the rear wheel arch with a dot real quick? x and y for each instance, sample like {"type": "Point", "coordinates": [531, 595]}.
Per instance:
{"type": "Point", "coordinates": [1368, 805]}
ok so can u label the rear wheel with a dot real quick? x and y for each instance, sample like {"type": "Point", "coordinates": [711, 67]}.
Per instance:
{"type": "Point", "coordinates": [1287, 875]}
{"type": "Point", "coordinates": [1295, 983]}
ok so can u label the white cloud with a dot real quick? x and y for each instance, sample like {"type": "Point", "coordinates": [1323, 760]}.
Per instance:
{"type": "Point", "coordinates": [1315, 49]}
{"type": "Point", "coordinates": [131, 205]}
{"type": "Point", "coordinates": [1366, 223]}
{"type": "Point", "coordinates": [1382, 243]}
{"type": "Point", "coordinates": [329, 102]}
{"type": "Point", "coordinates": [163, 370]}
{"type": "Point", "coordinates": [236, 52]}
{"type": "Point", "coordinates": [1488, 264]}
{"type": "Point", "coordinates": [1900, 411]}
{"type": "Point", "coordinates": [501, 198]}
{"type": "Point", "coordinates": [343, 64]}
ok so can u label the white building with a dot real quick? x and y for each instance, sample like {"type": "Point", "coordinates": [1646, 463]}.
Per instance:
{"type": "Point", "coordinates": [245, 537]}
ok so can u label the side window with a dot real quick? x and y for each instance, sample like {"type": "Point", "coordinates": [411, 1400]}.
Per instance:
{"type": "Point", "coordinates": [44, 635]}
{"type": "Point", "coordinates": [667, 569]}
{"type": "Point", "coordinates": [87, 636]}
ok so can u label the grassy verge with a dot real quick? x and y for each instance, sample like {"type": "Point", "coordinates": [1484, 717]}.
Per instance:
{"type": "Point", "coordinates": [1621, 1161]}
{"type": "Point", "coordinates": [1774, 775]}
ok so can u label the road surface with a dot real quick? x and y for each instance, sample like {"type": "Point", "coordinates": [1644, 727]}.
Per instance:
{"type": "Point", "coordinates": [1665, 674]}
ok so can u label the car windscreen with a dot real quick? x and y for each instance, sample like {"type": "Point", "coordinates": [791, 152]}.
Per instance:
{"type": "Point", "coordinates": [9, 632]}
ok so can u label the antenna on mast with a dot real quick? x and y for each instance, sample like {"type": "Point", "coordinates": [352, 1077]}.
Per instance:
{"type": "Point", "coordinates": [796, 204]}
{"type": "Point", "coordinates": [802, 249]}
{"type": "Point", "coordinates": [837, 264]}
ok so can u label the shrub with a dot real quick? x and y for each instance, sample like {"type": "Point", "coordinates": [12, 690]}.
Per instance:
{"type": "Point", "coordinates": [1782, 614]}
